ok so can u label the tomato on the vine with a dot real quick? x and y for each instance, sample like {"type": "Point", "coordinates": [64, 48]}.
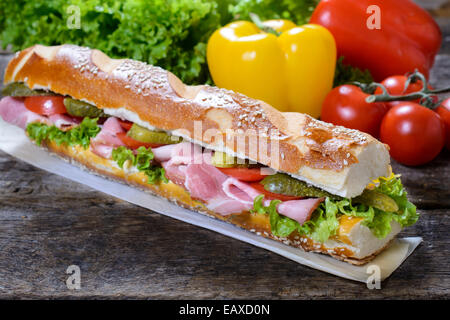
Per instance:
{"type": "Point", "coordinates": [346, 106]}
{"type": "Point", "coordinates": [444, 111]}
{"type": "Point", "coordinates": [395, 85]}
{"type": "Point", "coordinates": [414, 133]}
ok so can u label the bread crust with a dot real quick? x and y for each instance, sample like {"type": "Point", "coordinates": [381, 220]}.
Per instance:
{"type": "Point", "coordinates": [336, 159]}
{"type": "Point", "coordinates": [255, 223]}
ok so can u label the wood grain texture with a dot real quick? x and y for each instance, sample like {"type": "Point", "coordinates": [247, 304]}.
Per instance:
{"type": "Point", "coordinates": [48, 223]}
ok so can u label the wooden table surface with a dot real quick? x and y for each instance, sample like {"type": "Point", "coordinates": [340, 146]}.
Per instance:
{"type": "Point", "coordinates": [48, 223]}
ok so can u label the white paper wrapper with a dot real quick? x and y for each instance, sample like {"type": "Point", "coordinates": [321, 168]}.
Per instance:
{"type": "Point", "coordinates": [14, 142]}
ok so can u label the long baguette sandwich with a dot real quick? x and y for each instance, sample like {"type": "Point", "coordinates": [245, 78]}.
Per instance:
{"type": "Point", "coordinates": [285, 176]}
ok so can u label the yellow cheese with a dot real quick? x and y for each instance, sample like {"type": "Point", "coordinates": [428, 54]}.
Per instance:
{"type": "Point", "coordinates": [346, 224]}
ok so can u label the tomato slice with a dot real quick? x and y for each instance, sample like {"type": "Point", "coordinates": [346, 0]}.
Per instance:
{"type": "Point", "coordinates": [270, 195]}
{"type": "Point", "coordinates": [134, 144]}
{"type": "Point", "coordinates": [46, 105]}
{"type": "Point", "coordinates": [244, 174]}
{"type": "Point", "coordinates": [126, 125]}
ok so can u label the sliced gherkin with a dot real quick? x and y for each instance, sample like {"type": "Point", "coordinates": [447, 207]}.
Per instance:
{"type": "Point", "coordinates": [79, 108]}
{"type": "Point", "coordinates": [223, 160]}
{"type": "Point", "coordinates": [148, 136]}
{"type": "Point", "coordinates": [377, 200]}
{"type": "Point", "coordinates": [284, 184]}
{"type": "Point", "coordinates": [18, 89]}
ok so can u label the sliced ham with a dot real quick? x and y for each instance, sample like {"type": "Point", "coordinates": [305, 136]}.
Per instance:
{"type": "Point", "coordinates": [63, 122]}
{"type": "Point", "coordinates": [102, 150]}
{"type": "Point", "coordinates": [106, 140]}
{"type": "Point", "coordinates": [239, 190]}
{"type": "Point", "coordinates": [12, 110]}
{"type": "Point", "coordinates": [188, 166]}
{"type": "Point", "coordinates": [165, 153]}
{"type": "Point", "coordinates": [175, 173]}
{"type": "Point", "coordinates": [299, 210]}
{"type": "Point", "coordinates": [181, 153]}
{"type": "Point", "coordinates": [226, 206]}
{"type": "Point", "coordinates": [108, 134]}
{"type": "Point", "coordinates": [204, 182]}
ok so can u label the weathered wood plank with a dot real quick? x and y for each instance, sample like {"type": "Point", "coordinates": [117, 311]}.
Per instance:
{"type": "Point", "coordinates": [427, 186]}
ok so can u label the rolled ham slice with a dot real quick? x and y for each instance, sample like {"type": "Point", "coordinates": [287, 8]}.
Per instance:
{"type": "Point", "coordinates": [221, 193]}
{"type": "Point", "coordinates": [106, 140]}
{"type": "Point", "coordinates": [13, 110]}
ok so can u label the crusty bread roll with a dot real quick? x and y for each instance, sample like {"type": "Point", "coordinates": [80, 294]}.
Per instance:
{"type": "Point", "coordinates": [338, 160]}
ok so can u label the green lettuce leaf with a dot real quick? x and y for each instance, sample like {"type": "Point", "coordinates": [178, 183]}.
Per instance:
{"type": "Point", "coordinates": [407, 214]}
{"type": "Point", "coordinates": [168, 33]}
{"type": "Point", "coordinates": [323, 223]}
{"type": "Point", "coordinates": [380, 224]}
{"type": "Point", "coordinates": [346, 74]}
{"type": "Point", "coordinates": [122, 154]}
{"type": "Point", "coordinates": [280, 226]}
{"type": "Point", "coordinates": [143, 162]}
{"type": "Point", "coordinates": [297, 11]}
{"type": "Point", "coordinates": [80, 135]}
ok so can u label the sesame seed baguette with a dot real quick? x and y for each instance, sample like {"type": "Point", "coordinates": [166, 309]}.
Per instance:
{"type": "Point", "coordinates": [338, 160]}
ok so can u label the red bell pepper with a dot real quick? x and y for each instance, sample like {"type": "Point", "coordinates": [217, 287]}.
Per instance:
{"type": "Point", "coordinates": [408, 37]}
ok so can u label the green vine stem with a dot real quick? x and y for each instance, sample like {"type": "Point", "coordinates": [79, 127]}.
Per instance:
{"type": "Point", "coordinates": [369, 88]}
{"type": "Point", "coordinates": [425, 95]}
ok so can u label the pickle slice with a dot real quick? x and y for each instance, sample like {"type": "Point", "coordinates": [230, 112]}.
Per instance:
{"type": "Point", "coordinates": [284, 184]}
{"type": "Point", "coordinates": [148, 136]}
{"type": "Point", "coordinates": [377, 200]}
{"type": "Point", "coordinates": [18, 89]}
{"type": "Point", "coordinates": [223, 160]}
{"type": "Point", "coordinates": [79, 108]}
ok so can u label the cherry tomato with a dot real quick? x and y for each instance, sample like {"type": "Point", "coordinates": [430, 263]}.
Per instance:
{"type": "Point", "coordinates": [346, 106]}
{"type": "Point", "coordinates": [244, 174]}
{"type": "Point", "coordinates": [134, 144]}
{"type": "Point", "coordinates": [395, 85]}
{"type": "Point", "coordinates": [46, 105]}
{"type": "Point", "coordinates": [270, 195]}
{"type": "Point", "coordinates": [415, 134]}
{"type": "Point", "coordinates": [444, 111]}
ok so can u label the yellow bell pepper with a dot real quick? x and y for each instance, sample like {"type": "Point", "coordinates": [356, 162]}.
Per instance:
{"type": "Point", "coordinates": [292, 71]}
